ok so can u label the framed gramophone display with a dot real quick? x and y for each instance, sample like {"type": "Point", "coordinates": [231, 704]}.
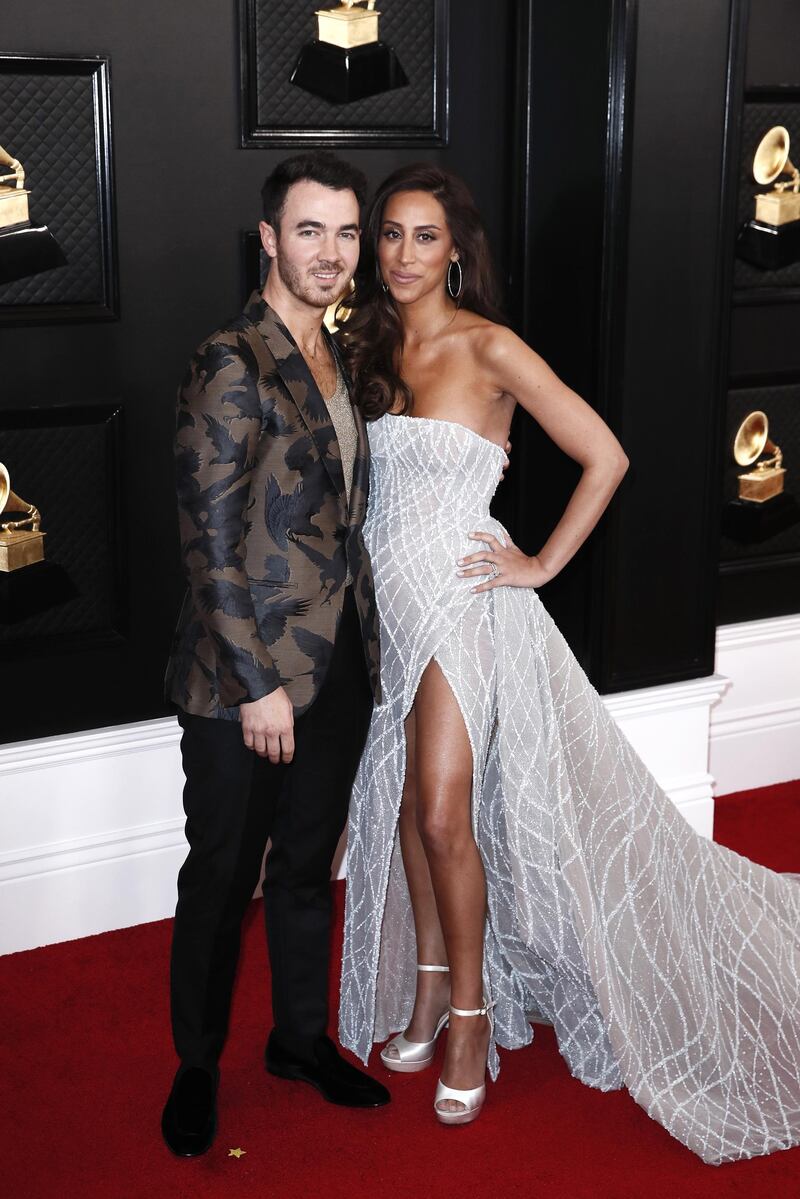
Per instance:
{"type": "Point", "coordinates": [767, 264]}
{"type": "Point", "coordinates": [761, 475]}
{"type": "Point", "coordinates": [57, 245]}
{"type": "Point", "coordinates": [21, 536]}
{"type": "Point", "coordinates": [61, 545]}
{"type": "Point", "coordinates": [358, 71]}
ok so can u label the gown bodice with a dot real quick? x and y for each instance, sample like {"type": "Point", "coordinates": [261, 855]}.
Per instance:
{"type": "Point", "coordinates": [431, 473]}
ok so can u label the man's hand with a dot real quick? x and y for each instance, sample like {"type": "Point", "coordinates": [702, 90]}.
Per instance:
{"type": "Point", "coordinates": [268, 726]}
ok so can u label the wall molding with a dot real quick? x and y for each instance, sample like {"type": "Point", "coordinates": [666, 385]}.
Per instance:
{"type": "Point", "coordinates": [754, 735]}
{"type": "Point", "coordinates": [668, 727]}
{"type": "Point", "coordinates": [752, 633]}
{"type": "Point", "coordinates": [669, 697]}
{"type": "Point", "coordinates": [48, 752]}
{"type": "Point", "coordinates": [758, 718]}
{"type": "Point", "coordinates": [93, 823]}
{"type": "Point", "coordinates": [87, 851]}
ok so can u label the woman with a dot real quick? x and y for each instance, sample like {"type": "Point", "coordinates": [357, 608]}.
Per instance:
{"type": "Point", "coordinates": [538, 866]}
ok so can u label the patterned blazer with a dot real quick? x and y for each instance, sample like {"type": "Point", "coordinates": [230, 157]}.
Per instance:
{"type": "Point", "coordinates": [266, 536]}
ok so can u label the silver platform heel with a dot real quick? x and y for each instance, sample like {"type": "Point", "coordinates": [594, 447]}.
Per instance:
{"type": "Point", "coordinates": [473, 1099]}
{"type": "Point", "coordinates": [413, 1056]}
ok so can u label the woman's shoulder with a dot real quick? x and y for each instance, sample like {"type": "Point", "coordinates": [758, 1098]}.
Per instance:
{"type": "Point", "coordinates": [486, 338]}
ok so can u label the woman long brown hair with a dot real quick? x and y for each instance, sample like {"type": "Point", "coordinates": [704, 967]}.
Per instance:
{"type": "Point", "coordinates": [372, 337]}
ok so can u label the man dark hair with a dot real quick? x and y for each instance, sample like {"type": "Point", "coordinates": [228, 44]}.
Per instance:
{"type": "Point", "coordinates": [317, 166]}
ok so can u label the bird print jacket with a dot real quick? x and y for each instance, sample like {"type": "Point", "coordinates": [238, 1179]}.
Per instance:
{"type": "Point", "coordinates": [266, 536]}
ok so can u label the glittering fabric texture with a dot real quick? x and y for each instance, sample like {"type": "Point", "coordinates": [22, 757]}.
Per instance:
{"type": "Point", "coordinates": [666, 964]}
{"type": "Point", "coordinates": [340, 408]}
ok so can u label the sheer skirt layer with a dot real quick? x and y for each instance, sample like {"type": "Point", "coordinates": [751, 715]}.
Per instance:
{"type": "Point", "coordinates": [666, 963]}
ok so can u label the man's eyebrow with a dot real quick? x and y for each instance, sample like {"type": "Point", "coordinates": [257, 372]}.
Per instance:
{"type": "Point", "coordinates": [309, 224]}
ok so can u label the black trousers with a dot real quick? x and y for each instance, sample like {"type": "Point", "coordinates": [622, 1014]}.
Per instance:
{"type": "Point", "coordinates": [235, 801]}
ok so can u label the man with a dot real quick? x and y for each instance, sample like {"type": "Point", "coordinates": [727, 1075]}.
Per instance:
{"type": "Point", "coordinates": [275, 661]}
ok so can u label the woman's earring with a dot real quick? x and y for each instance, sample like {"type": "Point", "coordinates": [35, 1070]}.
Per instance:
{"type": "Point", "coordinates": [384, 284]}
{"type": "Point", "coordinates": [455, 292]}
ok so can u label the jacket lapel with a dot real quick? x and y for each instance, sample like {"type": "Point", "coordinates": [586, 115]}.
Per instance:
{"type": "Point", "coordinates": [299, 382]}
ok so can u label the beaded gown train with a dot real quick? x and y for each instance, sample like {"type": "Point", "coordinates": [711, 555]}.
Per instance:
{"type": "Point", "coordinates": [666, 964]}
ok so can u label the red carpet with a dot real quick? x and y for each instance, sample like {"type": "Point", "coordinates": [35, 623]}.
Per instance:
{"type": "Point", "coordinates": [86, 1065]}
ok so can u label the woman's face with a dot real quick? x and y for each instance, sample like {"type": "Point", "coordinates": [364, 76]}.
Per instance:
{"type": "Point", "coordinates": [415, 248]}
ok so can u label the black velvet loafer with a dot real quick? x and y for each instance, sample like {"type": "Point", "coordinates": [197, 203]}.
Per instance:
{"type": "Point", "coordinates": [334, 1078]}
{"type": "Point", "coordinates": [190, 1115]}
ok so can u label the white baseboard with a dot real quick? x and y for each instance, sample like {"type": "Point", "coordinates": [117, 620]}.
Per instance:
{"type": "Point", "coordinates": [755, 729]}
{"type": "Point", "coordinates": [668, 728]}
{"type": "Point", "coordinates": [93, 823]}
{"type": "Point", "coordinates": [92, 832]}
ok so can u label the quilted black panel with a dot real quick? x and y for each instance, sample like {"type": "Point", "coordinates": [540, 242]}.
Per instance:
{"type": "Point", "coordinates": [281, 30]}
{"type": "Point", "coordinates": [66, 470]}
{"type": "Point", "coordinates": [757, 118]}
{"type": "Point", "coordinates": [782, 406]}
{"type": "Point", "coordinates": [48, 121]}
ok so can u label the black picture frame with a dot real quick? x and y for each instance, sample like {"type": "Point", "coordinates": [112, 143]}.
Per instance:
{"type": "Point", "coordinates": [80, 498]}
{"type": "Point", "coordinates": [69, 115]}
{"type": "Point", "coordinates": [365, 122]}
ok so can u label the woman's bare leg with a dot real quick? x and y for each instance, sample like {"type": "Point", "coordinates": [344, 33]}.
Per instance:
{"type": "Point", "coordinates": [433, 990]}
{"type": "Point", "coordinates": [443, 780]}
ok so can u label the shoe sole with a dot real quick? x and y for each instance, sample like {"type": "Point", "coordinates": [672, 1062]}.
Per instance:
{"type": "Point", "coordinates": [298, 1076]}
{"type": "Point", "coordinates": [400, 1067]}
{"type": "Point", "coordinates": [194, 1153]}
{"type": "Point", "coordinates": [458, 1117]}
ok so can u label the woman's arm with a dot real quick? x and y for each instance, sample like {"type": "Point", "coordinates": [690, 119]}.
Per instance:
{"type": "Point", "coordinates": [577, 430]}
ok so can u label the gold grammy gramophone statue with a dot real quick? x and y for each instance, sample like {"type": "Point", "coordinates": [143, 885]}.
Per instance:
{"type": "Point", "coordinates": [751, 441]}
{"type": "Point", "coordinates": [772, 239]}
{"type": "Point", "coordinates": [13, 193]}
{"type": "Point", "coordinates": [782, 204]}
{"type": "Point", "coordinates": [762, 507]}
{"type": "Point", "coordinates": [338, 312]}
{"type": "Point", "coordinates": [21, 537]}
{"type": "Point", "coordinates": [25, 249]}
{"type": "Point", "coordinates": [348, 61]}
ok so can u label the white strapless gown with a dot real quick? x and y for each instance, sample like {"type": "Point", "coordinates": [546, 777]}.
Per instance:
{"type": "Point", "coordinates": [666, 964]}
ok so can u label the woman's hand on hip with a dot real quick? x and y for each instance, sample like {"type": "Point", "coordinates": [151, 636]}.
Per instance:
{"type": "Point", "coordinates": [505, 565]}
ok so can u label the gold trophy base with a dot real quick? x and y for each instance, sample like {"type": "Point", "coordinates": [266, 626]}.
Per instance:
{"type": "Point", "coordinates": [778, 208]}
{"type": "Point", "coordinates": [347, 27]}
{"type": "Point", "coordinates": [761, 485]}
{"type": "Point", "coordinates": [20, 548]}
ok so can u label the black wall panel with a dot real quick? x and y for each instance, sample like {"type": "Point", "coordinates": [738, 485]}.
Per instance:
{"type": "Point", "coordinates": [600, 145]}
{"type": "Point", "coordinates": [763, 364]}
{"type": "Point", "coordinates": [561, 149]}
{"type": "Point", "coordinates": [773, 44]}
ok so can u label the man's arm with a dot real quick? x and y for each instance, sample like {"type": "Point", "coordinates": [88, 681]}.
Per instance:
{"type": "Point", "coordinates": [218, 428]}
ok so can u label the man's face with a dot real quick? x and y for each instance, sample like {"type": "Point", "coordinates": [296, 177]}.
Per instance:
{"type": "Point", "coordinates": [315, 250]}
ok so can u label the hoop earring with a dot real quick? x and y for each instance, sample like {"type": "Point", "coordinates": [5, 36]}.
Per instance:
{"type": "Point", "coordinates": [455, 292]}
{"type": "Point", "coordinates": [384, 285]}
